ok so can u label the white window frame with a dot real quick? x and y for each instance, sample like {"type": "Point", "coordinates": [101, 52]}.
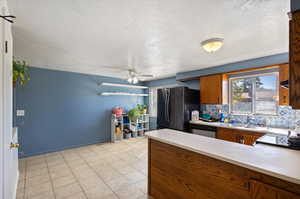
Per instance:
{"type": "Point", "coordinates": [253, 111]}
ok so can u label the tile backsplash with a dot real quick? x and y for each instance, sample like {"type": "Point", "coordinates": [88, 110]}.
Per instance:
{"type": "Point", "coordinates": [286, 117]}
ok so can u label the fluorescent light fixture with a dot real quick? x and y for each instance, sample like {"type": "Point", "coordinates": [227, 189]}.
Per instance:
{"type": "Point", "coordinates": [212, 45]}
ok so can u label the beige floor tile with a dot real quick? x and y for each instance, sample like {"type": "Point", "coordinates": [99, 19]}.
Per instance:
{"type": "Point", "coordinates": [126, 170]}
{"type": "Point", "coordinates": [48, 195]}
{"type": "Point", "coordinates": [142, 185]}
{"type": "Point", "coordinates": [35, 162]}
{"type": "Point", "coordinates": [144, 197]}
{"type": "Point", "coordinates": [52, 154]}
{"type": "Point", "coordinates": [38, 189]}
{"type": "Point", "coordinates": [134, 177]}
{"type": "Point", "coordinates": [40, 179]}
{"type": "Point", "coordinates": [84, 173]}
{"type": "Point", "coordinates": [99, 164]}
{"type": "Point", "coordinates": [90, 183]}
{"type": "Point", "coordinates": [39, 165]}
{"type": "Point", "coordinates": [70, 157]}
{"type": "Point", "coordinates": [35, 157]}
{"type": "Point", "coordinates": [109, 175]}
{"type": "Point", "coordinates": [66, 191]}
{"type": "Point", "coordinates": [60, 173]}
{"type": "Point", "coordinates": [118, 183]}
{"type": "Point", "coordinates": [37, 172]}
{"type": "Point", "coordinates": [95, 171]}
{"type": "Point", "coordinates": [77, 196]}
{"type": "Point", "coordinates": [54, 168]}
{"type": "Point", "coordinates": [62, 181]}
{"type": "Point", "coordinates": [97, 193]}
{"type": "Point", "coordinates": [129, 192]}
{"type": "Point", "coordinates": [74, 164]}
{"type": "Point", "coordinates": [56, 162]}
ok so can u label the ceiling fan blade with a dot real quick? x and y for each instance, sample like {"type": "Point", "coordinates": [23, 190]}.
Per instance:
{"type": "Point", "coordinates": [145, 75]}
{"type": "Point", "coordinates": [115, 68]}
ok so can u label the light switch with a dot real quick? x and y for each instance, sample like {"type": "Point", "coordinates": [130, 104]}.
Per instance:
{"type": "Point", "coordinates": [20, 112]}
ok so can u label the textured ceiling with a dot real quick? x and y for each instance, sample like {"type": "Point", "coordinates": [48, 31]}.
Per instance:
{"type": "Point", "coordinates": [159, 37]}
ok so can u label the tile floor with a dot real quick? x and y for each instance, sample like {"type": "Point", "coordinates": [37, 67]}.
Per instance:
{"type": "Point", "coordinates": [103, 171]}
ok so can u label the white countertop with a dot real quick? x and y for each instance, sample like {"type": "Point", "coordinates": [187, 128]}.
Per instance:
{"type": "Point", "coordinates": [253, 129]}
{"type": "Point", "coordinates": [274, 161]}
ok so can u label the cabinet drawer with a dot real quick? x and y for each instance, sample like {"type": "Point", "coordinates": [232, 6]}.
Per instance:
{"type": "Point", "coordinates": [259, 190]}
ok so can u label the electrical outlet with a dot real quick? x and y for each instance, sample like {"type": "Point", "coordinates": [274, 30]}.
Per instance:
{"type": "Point", "coordinates": [20, 113]}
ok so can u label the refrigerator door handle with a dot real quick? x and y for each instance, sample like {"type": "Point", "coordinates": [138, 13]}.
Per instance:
{"type": "Point", "coordinates": [167, 105]}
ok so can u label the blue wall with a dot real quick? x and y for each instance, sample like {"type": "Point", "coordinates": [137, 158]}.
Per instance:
{"type": "Point", "coordinates": [63, 110]}
{"type": "Point", "coordinates": [193, 84]}
{"type": "Point", "coordinates": [295, 5]}
{"type": "Point", "coordinates": [252, 63]}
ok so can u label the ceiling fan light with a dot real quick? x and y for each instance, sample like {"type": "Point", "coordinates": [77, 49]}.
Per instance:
{"type": "Point", "coordinates": [130, 80]}
{"type": "Point", "coordinates": [135, 80]}
{"type": "Point", "coordinates": [212, 45]}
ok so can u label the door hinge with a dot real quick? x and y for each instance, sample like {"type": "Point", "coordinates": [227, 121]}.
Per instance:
{"type": "Point", "coordinates": [6, 46]}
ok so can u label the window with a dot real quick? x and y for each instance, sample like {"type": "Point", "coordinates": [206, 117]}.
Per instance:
{"type": "Point", "coordinates": [254, 94]}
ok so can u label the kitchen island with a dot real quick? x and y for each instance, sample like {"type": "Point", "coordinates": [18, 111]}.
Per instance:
{"type": "Point", "coordinates": [187, 166]}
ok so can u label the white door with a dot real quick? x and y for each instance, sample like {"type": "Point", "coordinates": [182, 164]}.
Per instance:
{"type": "Point", "coordinates": [9, 162]}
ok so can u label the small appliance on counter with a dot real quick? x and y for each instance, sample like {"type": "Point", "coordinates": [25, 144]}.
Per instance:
{"type": "Point", "coordinates": [195, 115]}
{"type": "Point", "coordinates": [287, 141]}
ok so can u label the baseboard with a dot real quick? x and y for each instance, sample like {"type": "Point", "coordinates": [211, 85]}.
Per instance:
{"type": "Point", "coordinates": [16, 185]}
{"type": "Point", "coordinates": [62, 148]}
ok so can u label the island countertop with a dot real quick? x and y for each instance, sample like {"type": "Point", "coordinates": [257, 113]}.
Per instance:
{"type": "Point", "coordinates": [278, 162]}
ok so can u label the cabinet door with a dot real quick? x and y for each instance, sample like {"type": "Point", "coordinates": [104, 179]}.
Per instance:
{"type": "Point", "coordinates": [294, 81]}
{"type": "Point", "coordinates": [247, 137]}
{"type": "Point", "coordinates": [283, 92]}
{"type": "Point", "coordinates": [211, 89]}
{"type": "Point", "coordinates": [259, 190]}
{"type": "Point", "coordinates": [226, 134]}
{"type": "Point", "coordinates": [238, 136]}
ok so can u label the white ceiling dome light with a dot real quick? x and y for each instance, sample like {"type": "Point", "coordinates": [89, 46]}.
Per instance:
{"type": "Point", "coordinates": [212, 45]}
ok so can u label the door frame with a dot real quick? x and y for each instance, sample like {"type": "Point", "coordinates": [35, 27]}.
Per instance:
{"type": "Point", "coordinates": [2, 85]}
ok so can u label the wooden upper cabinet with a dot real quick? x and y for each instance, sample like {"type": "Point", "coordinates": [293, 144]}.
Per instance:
{"type": "Point", "coordinates": [211, 89]}
{"type": "Point", "coordinates": [259, 190]}
{"type": "Point", "coordinates": [283, 92]}
{"type": "Point", "coordinates": [294, 82]}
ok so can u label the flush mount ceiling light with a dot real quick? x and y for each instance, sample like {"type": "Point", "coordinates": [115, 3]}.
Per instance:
{"type": "Point", "coordinates": [212, 45]}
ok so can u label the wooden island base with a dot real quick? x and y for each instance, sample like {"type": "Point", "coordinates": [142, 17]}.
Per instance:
{"type": "Point", "coordinates": [176, 173]}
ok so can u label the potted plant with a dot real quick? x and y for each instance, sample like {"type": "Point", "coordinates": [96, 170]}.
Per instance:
{"type": "Point", "coordinates": [133, 116]}
{"type": "Point", "coordinates": [20, 73]}
{"type": "Point", "coordinates": [142, 108]}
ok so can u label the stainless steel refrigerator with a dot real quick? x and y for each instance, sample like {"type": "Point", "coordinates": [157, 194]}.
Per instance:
{"type": "Point", "coordinates": [174, 107]}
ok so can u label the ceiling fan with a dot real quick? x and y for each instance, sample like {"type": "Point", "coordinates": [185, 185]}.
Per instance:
{"type": "Point", "coordinates": [134, 77]}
